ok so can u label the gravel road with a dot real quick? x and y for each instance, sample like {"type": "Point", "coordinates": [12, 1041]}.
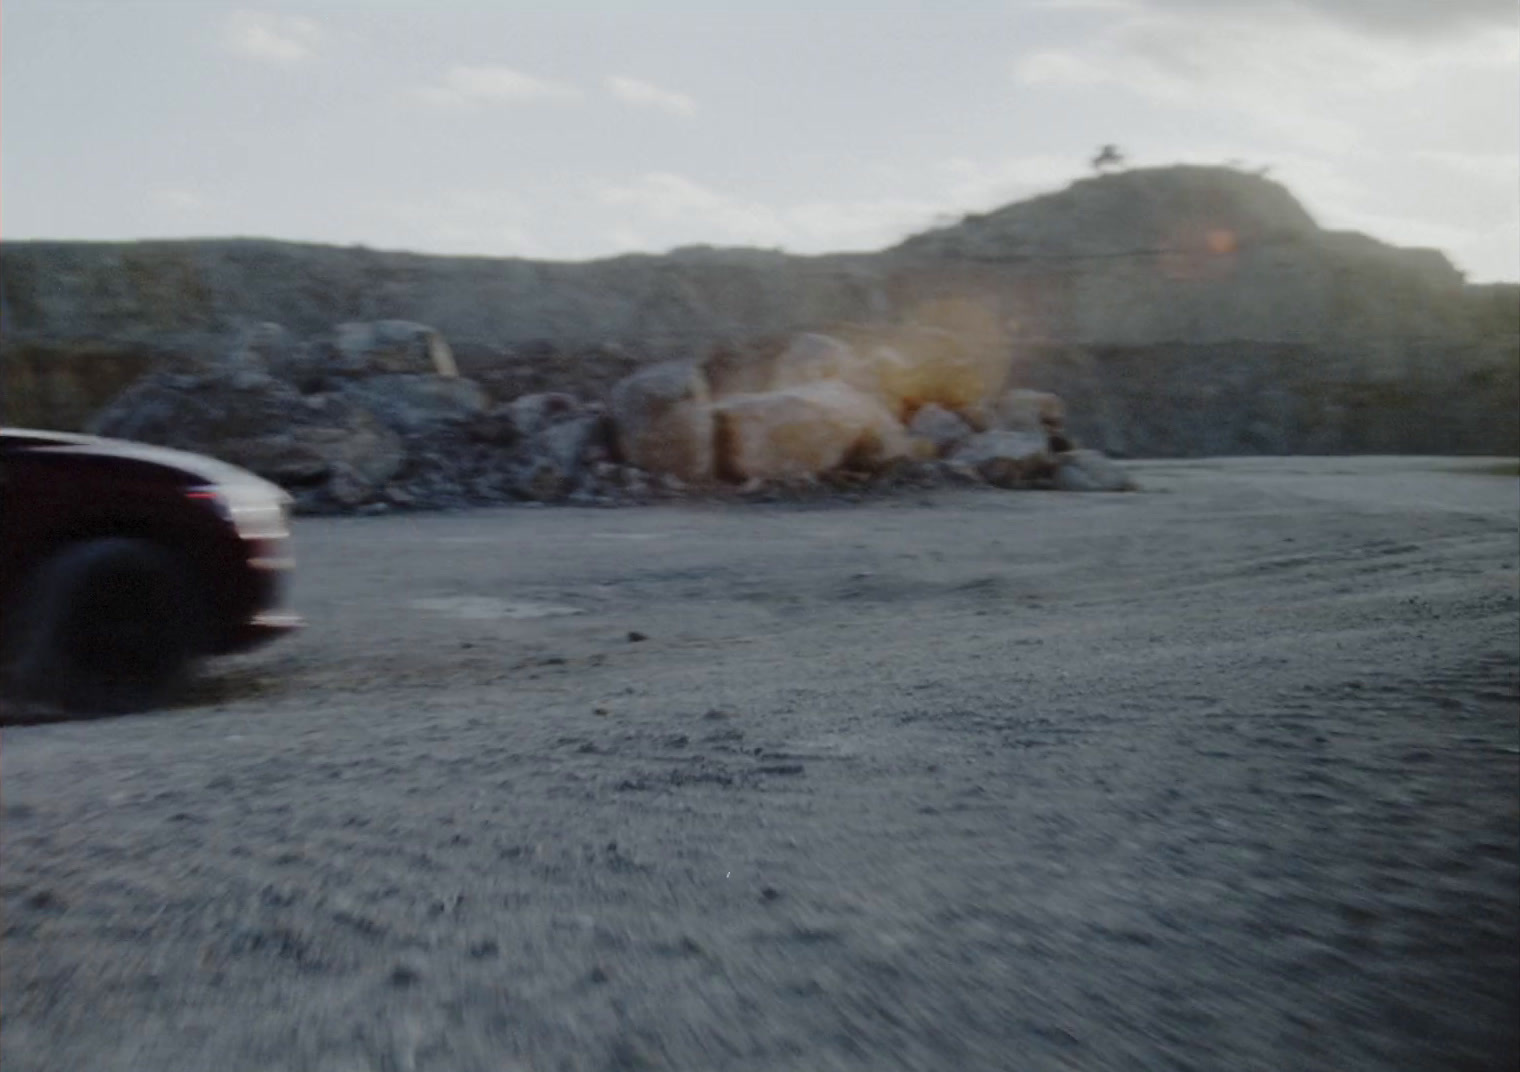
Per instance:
{"type": "Point", "coordinates": [1220, 775]}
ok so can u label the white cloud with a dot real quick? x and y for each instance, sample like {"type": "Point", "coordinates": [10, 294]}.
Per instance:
{"type": "Point", "coordinates": [1273, 73]}
{"type": "Point", "coordinates": [179, 200]}
{"type": "Point", "coordinates": [1412, 18]}
{"type": "Point", "coordinates": [1290, 70]}
{"type": "Point", "coordinates": [494, 84]}
{"type": "Point", "coordinates": [666, 197]}
{"type": "Point", "coordinates": [1502, 169]}
{"type": "Point", "coordinates": [272, 38]}
{"type": "Point", "coordinates": [645, 95]}
{"type": "Point", "coordinates": [1103, 6]}
{"type": "Point", "coordinates": [624, 239]}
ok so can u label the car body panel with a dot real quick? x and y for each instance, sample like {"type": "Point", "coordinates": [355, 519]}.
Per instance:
{"type": "Point", "coordinates": [56, 488]}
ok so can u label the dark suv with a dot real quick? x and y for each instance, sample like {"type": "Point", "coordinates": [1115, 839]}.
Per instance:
{"type": "Point", "coordinates": [120, 564]}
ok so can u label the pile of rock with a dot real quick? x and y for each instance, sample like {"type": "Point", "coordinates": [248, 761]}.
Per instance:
{"type": "Point", "coordinates": [371, 417]}
{"type": "Point", "coordinates": [374, 417]}
{"type": "Point", "coordinates": [863, 399]}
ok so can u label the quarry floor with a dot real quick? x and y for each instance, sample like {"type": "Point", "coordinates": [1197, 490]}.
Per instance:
{"type": "Point", "coordinates": [1224, 774]}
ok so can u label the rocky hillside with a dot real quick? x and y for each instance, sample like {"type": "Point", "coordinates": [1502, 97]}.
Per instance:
{"type": "Point", "coordinates": [1179, 311]}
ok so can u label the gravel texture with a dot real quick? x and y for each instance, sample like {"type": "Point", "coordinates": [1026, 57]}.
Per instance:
{"type": "Point", "coordinates": [1220, 775]}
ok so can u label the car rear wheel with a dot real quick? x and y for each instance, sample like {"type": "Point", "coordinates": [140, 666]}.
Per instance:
{"type": "Point", "coordinates": [108, 626]}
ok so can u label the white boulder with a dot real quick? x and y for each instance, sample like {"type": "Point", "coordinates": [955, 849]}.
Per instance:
{"type": "Point", "coordinates": [1088, 470]}
{"type": "Point", "coordinates": [805, 430]}
{"type": "Point", "coordinates": [1007, 459]}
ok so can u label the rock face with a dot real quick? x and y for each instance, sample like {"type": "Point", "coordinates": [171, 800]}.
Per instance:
{"type": "Point", "coordinates": [52, 384]}
{"type": "Point", "coordinates": [1178, 311]}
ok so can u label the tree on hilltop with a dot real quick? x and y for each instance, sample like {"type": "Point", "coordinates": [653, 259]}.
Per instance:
{"type": "Point", "coordinates": [1108, 157]}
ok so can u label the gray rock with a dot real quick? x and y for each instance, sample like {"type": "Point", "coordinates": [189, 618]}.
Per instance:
{"type": "Point", "coordinates": [609, 474]}
{"type": "Point", "coordinates": [283, 458]}
{"type": "Point", "coordinates": [347, 487]}
{"type": "Point", "coordinates": [664, 421]}
{"type": "Point", "coordinates": [258, 422]}
{"type": "Point", "coordinates": [954, 472]}
{"type": "Point", "coordinates": [265, 347]}
{"type": "Point", "coordinates": [358, 439]}
{"type": "Point", "coordinates": [1022, 410]}
{"type": "Point", "coordinates": [189, 411]}
{"type": "Point", "coordinates": [533, 413]}
{"type": "Point", "coordinates": [574, 443]}
{"type": "Point", "coordinates": [412, 403]}
{"type": "Point", "coordinates": [540, 480]}
{"type": "Point", "coordinates": [496, 427]}
{"type": "Point", "coordinates": [382, 346]}
{"type": "Point", "coordinates": [1007, 459]}
{"type": "Point", "coordinates": [941, 427]}
{"type": "Point", "coordinates": [1089, 470]}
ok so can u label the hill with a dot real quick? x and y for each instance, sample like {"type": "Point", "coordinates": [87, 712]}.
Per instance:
{"type": "Point", "coordinates": [1181, 311]}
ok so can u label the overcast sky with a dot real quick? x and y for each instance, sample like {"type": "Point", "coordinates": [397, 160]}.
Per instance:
{"type": "Point", "coordinates": [582, 128]}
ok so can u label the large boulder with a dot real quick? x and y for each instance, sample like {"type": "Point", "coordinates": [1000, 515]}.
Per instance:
{"type": "Point", "coordinates": [575, 443]}
{"type": "Point", "coordinates": [352, 434]}
{"type": "Point", "coordinates": [496, 427]}
{"type": "Point", "coordinates": [190, 410]}
{"type": "Point", "coordinates": [943, 430]}
{"type": "Point", "coordinates": [1088, 470]}
{"type": "Point", "coordinates": [533, 413]}
{"type": "Point", "coordinates": [1039, 412]}
{"type": "Point", "coordinates": [352, 350]}
{"type": "Point", "coordinates": [260, 423]}
{"type": "Point", "coordinates": [368, 347]}
{"type": "Point", "coordinates": [914, 365]}
{"type": "Point", "coordinates": [742, 368]}
{"type": "Point", "coordinates": [664, 420]}
{"type": "Point", "coordinates": [1008, 459]}
{"type": "Point", "coordinates": [814, 358]}
{"type": "Point", "coordinates": [265, 347]}
{"type": "Point", "coordinates": [802, 431]}
{"type": "Point", "coordinates": [414, 403]}
{"type": "Point", "coordinates": [1021, 410]}
{"type": "Point", "coordinates": [540, 479]}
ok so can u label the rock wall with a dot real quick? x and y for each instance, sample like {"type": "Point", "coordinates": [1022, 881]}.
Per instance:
{"type": "Point", "coordinates": [1179, 311]}
{"type": "Point", "coordinates": [61, 384]}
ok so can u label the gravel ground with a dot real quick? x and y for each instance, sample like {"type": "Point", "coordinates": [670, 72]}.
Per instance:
{"type": "Point", "coordinates": [1221, 775]}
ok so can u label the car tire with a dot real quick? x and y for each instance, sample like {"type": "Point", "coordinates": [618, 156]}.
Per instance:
{"type": "Point", "coordinates": [107, 626]}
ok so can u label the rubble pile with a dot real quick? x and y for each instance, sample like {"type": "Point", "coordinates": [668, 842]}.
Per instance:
{"type": "Point", "coordinates": [374, 417]}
